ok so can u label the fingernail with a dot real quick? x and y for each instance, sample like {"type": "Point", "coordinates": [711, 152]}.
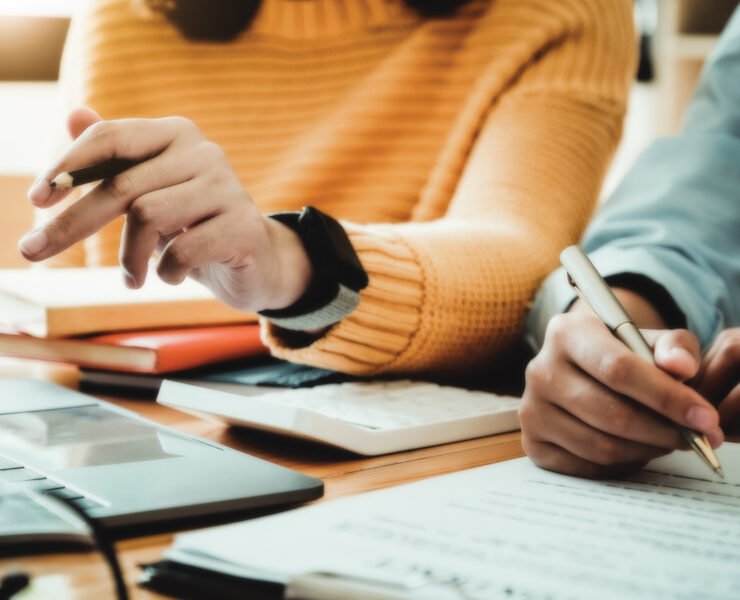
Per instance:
{"type": "Point", "coordinates": [130, 283]}
{"type": "Point", "coordinates": [32, 243]}
{"type": "Point", "coordinates": [701, 417]}
{"type": "Point", "coordinates": [682, 353]}
{"type": "Point", "coordinates": [39, 191]}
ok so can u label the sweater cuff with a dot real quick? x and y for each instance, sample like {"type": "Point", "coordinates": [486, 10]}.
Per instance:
{"type": "Point", "coordinates": [378, 332]}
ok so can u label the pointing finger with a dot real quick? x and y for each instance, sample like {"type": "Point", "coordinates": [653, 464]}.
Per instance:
{"type": "Point", "coordinates": [103, 203]}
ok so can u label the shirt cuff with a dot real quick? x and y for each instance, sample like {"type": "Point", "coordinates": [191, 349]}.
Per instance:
{"type": "Point", "coordinates": [654, 293]}
{"type": "Point", "coordinates": [555, 297]}
{"type": "Point", "coordinates": [678, 280]}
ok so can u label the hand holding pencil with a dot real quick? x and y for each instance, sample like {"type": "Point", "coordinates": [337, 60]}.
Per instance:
{"type": "Point", "coordinates": [181, 198]}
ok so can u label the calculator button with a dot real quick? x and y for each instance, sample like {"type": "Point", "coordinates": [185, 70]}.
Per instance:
{"type": "Point", "coordinates": [22, 474]}
{"type": "Point", "coordinates": [6, 464]}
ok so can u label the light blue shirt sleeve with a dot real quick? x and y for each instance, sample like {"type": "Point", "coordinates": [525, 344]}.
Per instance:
{"type": "Point", "coordinates": [675, 218]}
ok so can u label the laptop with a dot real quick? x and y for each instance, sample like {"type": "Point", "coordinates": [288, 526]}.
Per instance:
{"type": "Point", "coordinates": [127, 471]}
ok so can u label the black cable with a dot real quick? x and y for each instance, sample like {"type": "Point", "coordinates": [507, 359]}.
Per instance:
{"type": "Point", "coordinates": [102, 543]}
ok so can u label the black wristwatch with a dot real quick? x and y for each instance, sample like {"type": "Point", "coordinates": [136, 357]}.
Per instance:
{"type": "Point", "coordinates": [338, 275]}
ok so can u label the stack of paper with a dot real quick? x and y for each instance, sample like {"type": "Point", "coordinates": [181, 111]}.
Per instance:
{"type": "Point", "coordinates": [508, 530]}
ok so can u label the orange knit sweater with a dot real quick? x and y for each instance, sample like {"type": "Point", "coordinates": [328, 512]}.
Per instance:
{"type": "Point", "coordinates": [461, 154]}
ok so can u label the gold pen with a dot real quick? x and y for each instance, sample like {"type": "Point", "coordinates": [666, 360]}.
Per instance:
{"type": "Point", "coordinates": [596, 293]}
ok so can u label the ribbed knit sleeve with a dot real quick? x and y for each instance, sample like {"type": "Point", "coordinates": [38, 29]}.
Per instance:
{"type": "Point", "coordinates": [461, 153]}
{"type": "Point", "coordinates": [451, 293]}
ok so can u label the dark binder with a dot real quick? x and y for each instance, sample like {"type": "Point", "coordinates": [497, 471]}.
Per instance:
{"type": "Point", "coordinates": [193, 583]}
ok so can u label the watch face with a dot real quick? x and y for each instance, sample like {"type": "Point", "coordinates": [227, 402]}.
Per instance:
{"type": "Point", "coordinates": [329, 245]}
{"type": "Point", "coordinates": [337, 271]}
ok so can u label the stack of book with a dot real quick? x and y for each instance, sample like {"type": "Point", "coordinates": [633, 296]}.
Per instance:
{"type": "Point", "coordinates": [89, 318]}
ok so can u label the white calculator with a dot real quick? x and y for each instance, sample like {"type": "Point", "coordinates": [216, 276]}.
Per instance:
{"type": "Point", "coordinates": [368, 418]}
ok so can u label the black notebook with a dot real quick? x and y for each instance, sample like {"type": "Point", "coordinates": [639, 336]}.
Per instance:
{"type": "Point", "coordinates": [265, 372]}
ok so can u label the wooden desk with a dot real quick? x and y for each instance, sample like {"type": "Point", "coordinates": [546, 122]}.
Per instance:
{"type": "Point", "coordinates": [85, 576]}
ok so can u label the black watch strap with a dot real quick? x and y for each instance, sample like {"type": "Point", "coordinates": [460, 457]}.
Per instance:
{"type": "Point", "coordinates": [338, 275]}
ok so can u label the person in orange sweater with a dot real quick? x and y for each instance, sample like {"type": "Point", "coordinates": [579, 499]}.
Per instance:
{"type": "Point", "coordinates": [461, 145]}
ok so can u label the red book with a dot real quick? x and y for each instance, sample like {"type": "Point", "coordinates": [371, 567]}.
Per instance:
{"type": "Point", "coordinates": [155, 351]}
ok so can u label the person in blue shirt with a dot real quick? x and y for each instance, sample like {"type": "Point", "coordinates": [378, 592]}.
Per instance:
{"type": "Point", "coordinates": [668, 242]}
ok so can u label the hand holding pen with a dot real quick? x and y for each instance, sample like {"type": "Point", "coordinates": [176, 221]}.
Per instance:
{"type": "Point", "coordinates": [594, 291]}
{"type": "Point", "coordinates": [593, 407]}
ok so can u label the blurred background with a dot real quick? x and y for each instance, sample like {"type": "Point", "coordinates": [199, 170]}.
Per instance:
{"type": "Point", "coordinates": [676, 36]}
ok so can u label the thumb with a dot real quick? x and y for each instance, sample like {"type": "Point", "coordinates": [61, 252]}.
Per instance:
{"type": "Point", "coordinates": [676, 351]}
{"type": "Point", "coordinates": [80, 119]}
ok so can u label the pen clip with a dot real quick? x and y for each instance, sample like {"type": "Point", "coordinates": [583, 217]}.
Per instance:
{"type": "Point", "coordinates": [578, 292]}
{"type": "Point", "coordinates": [592, 289]}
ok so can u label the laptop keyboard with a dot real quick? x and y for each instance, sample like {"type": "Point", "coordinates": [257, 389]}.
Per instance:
{"type": "Point", "coordinates": [27, 479]}
{"type": "Point", "coordinates": [17, 510]}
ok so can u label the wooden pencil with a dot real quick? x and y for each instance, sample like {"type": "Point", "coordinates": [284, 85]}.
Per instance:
{"type": "Point", "coordinates": [105, 170]}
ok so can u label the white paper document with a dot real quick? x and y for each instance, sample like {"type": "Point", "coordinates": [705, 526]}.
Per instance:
{"type": "Point", "coordinates": [509, 530]}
